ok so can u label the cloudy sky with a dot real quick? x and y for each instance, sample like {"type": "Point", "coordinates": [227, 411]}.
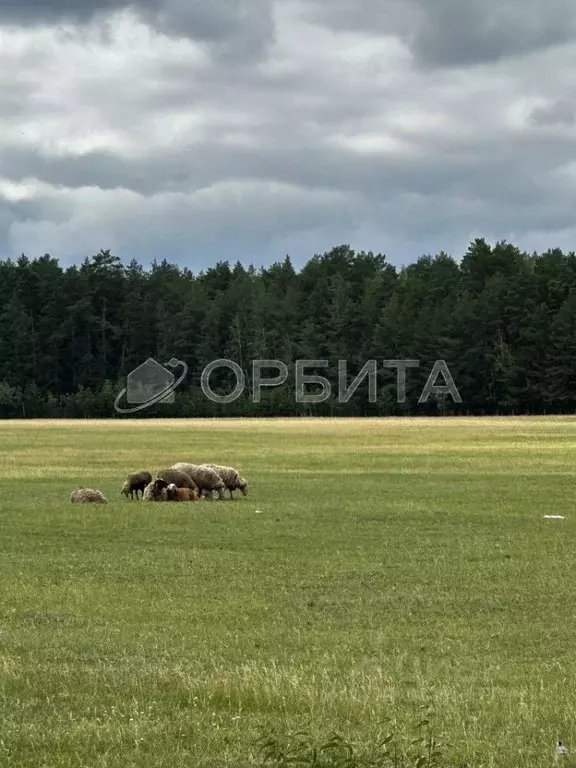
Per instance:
{"type": "Point", "coordinates": [200, 130]}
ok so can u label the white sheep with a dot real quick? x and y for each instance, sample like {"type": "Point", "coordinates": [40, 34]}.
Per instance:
{"type": "Point", "coordinates": [205, 478]}
{"type": "Point", "coordinates": [231, 477]}
{"type": "Point", "coordinates": [87, 496]}
{"type": "Point", "coordinates": [156, 491]}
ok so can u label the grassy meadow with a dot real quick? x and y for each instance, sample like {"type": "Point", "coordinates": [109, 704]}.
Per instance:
{"type": "Point", "coordinates": [375, 566]}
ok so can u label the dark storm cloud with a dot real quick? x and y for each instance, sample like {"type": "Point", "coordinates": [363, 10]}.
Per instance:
{"type": "Point", "coordinates": [237, 28]}
{"type": "Point", "coordinates": [367, 127]}
{"type": "Point", "coordinates": [456, 33]}
{"type": "Point", "coordinates": [502, 173]}
{"type": "Point", "coordinates": [37, 12]}
{"type": "Point", "coordinates": [558, 113]}
{"type": "Point", "coordinates": [439, 32]}
{"type": "Point", "coordinates": [452, 33]}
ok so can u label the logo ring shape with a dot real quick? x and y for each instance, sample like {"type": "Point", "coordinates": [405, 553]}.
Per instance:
{"type": "Point", "coordinates": [160, 395]}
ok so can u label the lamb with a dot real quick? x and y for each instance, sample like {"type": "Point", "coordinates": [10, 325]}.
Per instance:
{"type": "Point", "coordinates": [87, 496]}
{"type": "Point", "coordinates": [180, 478]}
{"type": "Point", "coordinates": [205, 478]}
{"type": "Point", "coordinates": [231, 477]}
{"type": "Point", "coordinates": [181, 494]}
{"type": "Point", "coordinates": [156, 491]}
{"type": "Point", "coordinates": [136, 481]}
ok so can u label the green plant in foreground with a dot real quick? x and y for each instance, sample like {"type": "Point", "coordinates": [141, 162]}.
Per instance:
{"type": "Point", "coordinates": [298, 749]}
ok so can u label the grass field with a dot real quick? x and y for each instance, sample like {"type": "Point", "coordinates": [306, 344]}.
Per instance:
{"type": "Point", "coordinates": [393, 563]}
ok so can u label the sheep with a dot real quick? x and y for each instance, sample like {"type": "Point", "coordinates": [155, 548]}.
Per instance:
{"type": "Point", "coordinates": [136, 481]}
{"type": "Point", "coordinates": [180, 478]}
{"type": "Point", "coordinates": [87, 495]}
{"type": "Point", "coordinates": [205, 478]}
{"type": "Point", "coordinates": [181, 494]}
{"type": "Point", "coordinates": [231, 477]}
{"type": "Point", "coordinates": [156, 491]}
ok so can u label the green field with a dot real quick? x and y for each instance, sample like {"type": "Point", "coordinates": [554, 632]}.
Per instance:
{"type": "Point", "coordinates": [391, 564]}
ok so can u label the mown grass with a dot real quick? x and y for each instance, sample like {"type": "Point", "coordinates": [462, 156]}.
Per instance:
{"type": "Point", "coordinates": [392, 563]}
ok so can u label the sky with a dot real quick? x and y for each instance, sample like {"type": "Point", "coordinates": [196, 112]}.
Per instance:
{"type": "Point", "coordinates": [245, 130]}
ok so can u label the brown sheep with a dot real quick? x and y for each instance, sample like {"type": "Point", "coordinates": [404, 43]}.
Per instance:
{"type": "Point", "coordinates": [181, 494]}
{"type": "Point", "coordinates": [135, 482]}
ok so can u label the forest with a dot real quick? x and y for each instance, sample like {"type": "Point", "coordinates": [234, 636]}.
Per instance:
{"type": "Point", "coordinates": [503, 320]}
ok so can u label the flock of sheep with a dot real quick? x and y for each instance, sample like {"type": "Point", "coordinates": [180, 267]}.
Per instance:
{"type": "Point", "coordinates": [180, 482]}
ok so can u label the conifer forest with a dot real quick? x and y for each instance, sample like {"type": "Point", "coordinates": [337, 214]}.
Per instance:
{"type": "Point", "coordinates": [504, 322]}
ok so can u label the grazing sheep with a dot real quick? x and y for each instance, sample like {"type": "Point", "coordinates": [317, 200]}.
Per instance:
{"type": "Point", "coordinates": [205, 478]}
{"type": "Point", "coordinates": [231, 477]}
{"type": "Point", "coordinates": [136, 481]}
{"type": "Point", "coordinates": [156, 491]}
{"type": "Point", "coordinates": [180, 478]}
{"type": "Point", "coordinates": [87, 496]}
{"type": "Point", "coordinates": [181, 494]}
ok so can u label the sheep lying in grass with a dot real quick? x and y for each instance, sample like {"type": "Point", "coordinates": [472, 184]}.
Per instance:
{"type": "Point", "coordinates": [181, 494]}
{"type": "Point", "coordinates": [180, 478]}
{"type": "Point", "coordinates": [156, 491]}
{"type": "Point", "coordinates": [231, 478]}
{"type": "Point", "coordinates": [135, 482]}
{"type": "Point", "coordinates": [205, 478]}
{"type": "Point", "coordinates": [87, 496]}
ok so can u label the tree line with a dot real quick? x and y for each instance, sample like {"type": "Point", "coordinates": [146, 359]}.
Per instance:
{"type": "Point", "coordinates": [503, 320]}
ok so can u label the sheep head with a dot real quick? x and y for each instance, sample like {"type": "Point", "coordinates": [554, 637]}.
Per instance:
{"type": "Point", "coordinates": [172, 491]}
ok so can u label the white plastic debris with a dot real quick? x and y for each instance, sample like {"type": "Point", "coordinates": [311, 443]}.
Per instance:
{"type": "Point", "coordinates": [555, 517]}
{"type": "Point", "coordinates": [258, 511]}
{"type": "Point", "coordinates": [561, 749]}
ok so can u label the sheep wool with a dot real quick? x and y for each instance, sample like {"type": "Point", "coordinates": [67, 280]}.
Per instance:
{"type": "Point", "coordinates": [156, 491]}
{"type": "Point", "coordinates": [205, 478]}
{"type": "Point", "coordinates": [136, 481]}
{"type": "Point", "coordinates": [231, 477]}
{"type": "Point", "coordinates": [181, 494]}
{"type": "Point", "coordinates": [88, 496]}
{"type": "Point", "coordinates": [180, 478]}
